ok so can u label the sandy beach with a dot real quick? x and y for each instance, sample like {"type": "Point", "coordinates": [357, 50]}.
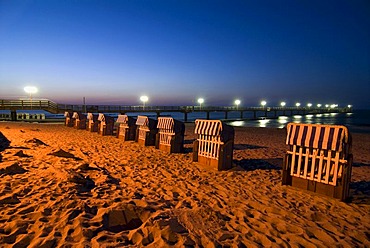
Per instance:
{"type": "Point", "coordinates": [62, 187]}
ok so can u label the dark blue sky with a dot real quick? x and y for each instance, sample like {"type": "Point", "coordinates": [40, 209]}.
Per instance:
{"type": "Point", "coordinates": [176, 51]}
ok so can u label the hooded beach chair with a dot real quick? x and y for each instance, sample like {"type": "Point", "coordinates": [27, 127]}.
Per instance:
{"type": "Point", "coordinates": [146, 130]}
{"type": "Point", "coordinates": [92, 122]}
{"type": "Point", "coordinates": [79, 120]}
{"type": "Point", "coordinates": [215, 144]}
{"type": "Point", "coordinates": [126, 129]}
{"type": "Point", "coordinates": [319, 159]}
{"type": "Point", "coordinates": [170, 136]}
{"type": "Point", "coordinates": [106, 124]}
{"type": "Point", "coordinates": [68, 119]}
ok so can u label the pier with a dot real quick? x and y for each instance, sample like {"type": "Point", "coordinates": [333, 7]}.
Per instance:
{"type": "Point", "coordinates": [271, 112]}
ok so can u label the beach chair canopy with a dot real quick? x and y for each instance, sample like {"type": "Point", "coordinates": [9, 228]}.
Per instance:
{"type": "Point", "coordinates": [124, 119]}
{"type": "Point", "coordinates": [105, 118]}
{"type": "Point", "coordinates": [214, 128]}
{"type": "Point", "coordinates": [144, 121]}
{"type": "Point", "coordinates": [170, 125]}
{"type": "Point", "coordinates": [78, 115]}
{"type": "Point", "coordinates": [91, 116]}
{"type": "Point", "coordinates": [68, 114]}
{"type": "Point", "coordinates": [326, 137]}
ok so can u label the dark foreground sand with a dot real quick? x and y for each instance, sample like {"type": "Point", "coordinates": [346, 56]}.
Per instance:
{"type": "Point", "coordinates": [61, 187]}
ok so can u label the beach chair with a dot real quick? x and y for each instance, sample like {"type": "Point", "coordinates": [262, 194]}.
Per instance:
{"type": "Point", "coordinates": [170, 136]}
{"type": "Point", "coordinates": [79, 120]}
{"type": "Point", "coordinates": [106, 124]}
{"type": "Point", "coordinates": [68, 119]}
{"type": "Point", "coordinates": [126, 129]}
{"type": "Point", "coordinates": [215, 144]}
{"type": "Point", "coordinates": [319, 159]}
{"type": "Point", "coordinates": [92, 122]}
{"type": "Point", "coordinates": [146, 130]}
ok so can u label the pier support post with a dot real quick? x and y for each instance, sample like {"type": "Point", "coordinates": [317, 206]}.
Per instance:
{"type": "Point", "coordinates": [158, 114]}
{"type": "Point", "coordinates": [226, 113]}
{"type": "Point", "coordinates": [208, 115]}
{"type": "Point", "coordinates": [241, 114]}
{"type": "Point", "coordinates": [185, 116]}
{"type": "Point", "coordinates": [13, 115]}
{"type": "Point", "coordinates": [255, 114]}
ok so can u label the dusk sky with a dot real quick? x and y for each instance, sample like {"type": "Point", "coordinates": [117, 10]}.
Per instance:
{"type": "Point", "coordinates": [111, 52]}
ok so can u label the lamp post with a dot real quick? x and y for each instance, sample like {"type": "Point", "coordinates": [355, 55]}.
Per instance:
{"type": "Point", "coordinates": [319, 105]}
{"type": "Point", "coordinates": [309, 105]}
{"type": "Point", "coordinates": [263, 103]}
{"type": "Point", "coordinates": [200, 101]}
{"type": "Point", "coordinates": [297, 104]}
{"type": "Point", "coordinates": [144, 99]}
{"type": "Point", "coordinates": [283, 104]}
{"type": "Point", "coordinates": [237, 102]}
{"type": "Point", "coordinates": [30, 90]}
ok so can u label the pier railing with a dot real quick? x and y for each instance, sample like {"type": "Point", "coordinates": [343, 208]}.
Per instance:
{"type": "Point", "coordinates": [52, 107]}
{"type": "Point", "coordinates": [46, 105]}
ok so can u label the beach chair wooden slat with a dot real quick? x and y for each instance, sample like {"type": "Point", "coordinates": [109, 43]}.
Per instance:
{"type": "Point", "coordinates": [307, 158]}
{"type": "Point", "coordinates": [335, 172]}
{"type": "Point", "coordinates": [293, 164]}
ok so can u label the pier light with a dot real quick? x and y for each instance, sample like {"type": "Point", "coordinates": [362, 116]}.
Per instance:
{"type": "Point", "coordinates": [326, 105]}
{"type": "Point", "coordinates": [30, 90]}
{"type": "Point", "coordinates": [349, 106]}
{"type": "Point", "coordinates": [319, 105]}
{"type": "Point", "coordinates": [144, 99]}
{"type": "Point", "coordinates": [332, 106]}
{"type": "Point", "coordinates": [309, 105]}
{"type": "Point", "coordinates": [237, 102]}
{"type": "Point", "coordinates": [283, 104]}
{"type": "Point", "coordinates": [297, 104]}
{"type": "Point", "coordinates": [200, 101]}
{"type": "Point", "coordinates": [263, 103]}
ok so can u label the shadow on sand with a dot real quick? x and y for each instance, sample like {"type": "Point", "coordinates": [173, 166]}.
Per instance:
{"type": "Point", "coordinates": [246, 146]}
{"type": "Point", "coordinates": [4, 144]}
{"type": "Point", "coordinates": [260, 164]}
{"type": "Point", "coordinates": [360, 192]}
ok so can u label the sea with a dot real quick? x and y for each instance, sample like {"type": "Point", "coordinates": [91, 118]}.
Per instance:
{"type": "Point", "coordinates": [358, 121]}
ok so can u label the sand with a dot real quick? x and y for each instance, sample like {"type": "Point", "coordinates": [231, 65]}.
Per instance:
{"type": "Point", "coordinates": [62, 187]}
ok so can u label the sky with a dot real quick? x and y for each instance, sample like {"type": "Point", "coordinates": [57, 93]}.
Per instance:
{"type": "Point", "coordinates": [112, 52]}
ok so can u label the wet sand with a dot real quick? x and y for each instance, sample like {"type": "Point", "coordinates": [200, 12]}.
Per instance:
{"type": "Point", "coordinates": [62, 187]}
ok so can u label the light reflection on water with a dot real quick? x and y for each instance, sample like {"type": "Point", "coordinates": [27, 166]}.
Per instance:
{"type": "Point", "coordinates": [330, 119]}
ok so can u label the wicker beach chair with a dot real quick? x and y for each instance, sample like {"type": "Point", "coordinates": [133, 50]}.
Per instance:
{"type": "Point", "coordinates": [68, 119]}
{"type": "Point", "coordinates": [214, 146]}
{"type": "Point", "coordinates": [170, 136]}
{"type": "Point", "coordinates": [319, 159]}
{"type": "Point", "coordinates": [92, 122]}
{"type": "Point", "coordinates": [146, 130]}
{"type": "Point", "coordinates": [79, 120]}
{"type": "Point", "coordinates": [126, 129]}
{"type": "Point", "coordinates": [106, 124]}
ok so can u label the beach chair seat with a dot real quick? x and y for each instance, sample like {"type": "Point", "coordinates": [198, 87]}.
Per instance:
{"type": "Point", "coordinates": [79, 120]}
{"type": "Point", "coordinates": [126, 128]}
{"type": "Point", "coordinates": [69, 121]}
{"type": "Point", "coordinates": [106, 124]}
{"type": "Point", "coordinates": [215, 144]}
{"type": "Point", "coordinates": [319, 159]}
{"type": "Point", "coordinates": [170, 136]}
{"type": "Point", "coordinates": [92, 122]}
{"type": "Point", "coordinates": [146, 130]}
